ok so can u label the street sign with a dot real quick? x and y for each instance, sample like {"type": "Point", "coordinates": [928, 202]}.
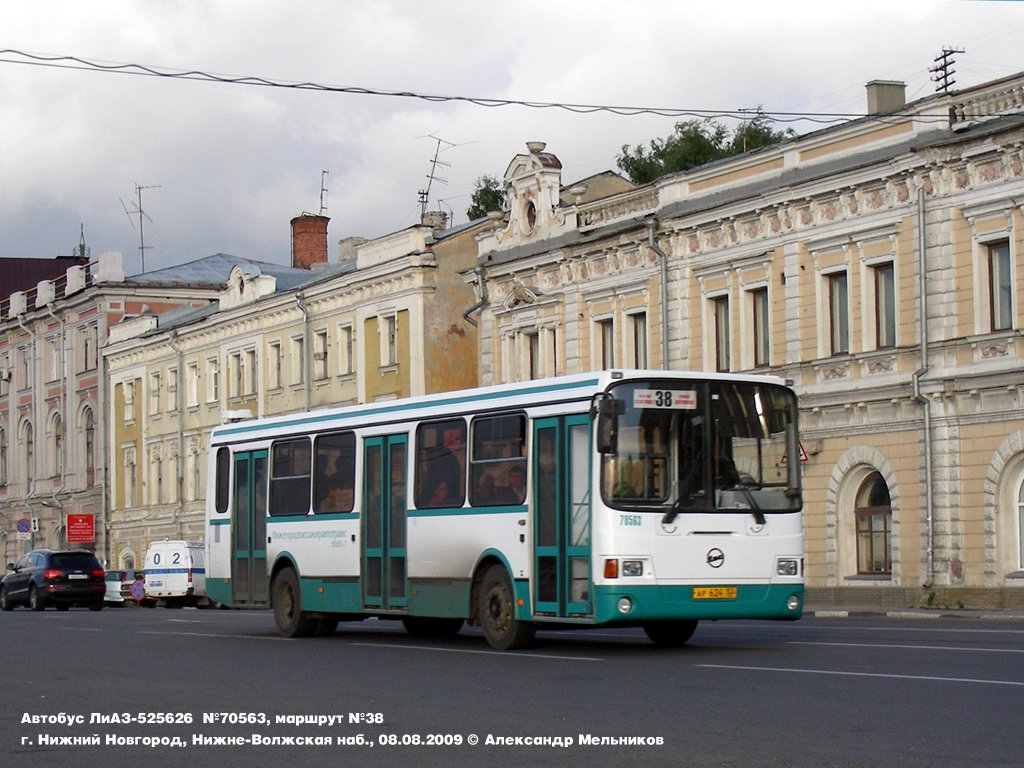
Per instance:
{"type": "Point", "coordinates": [24, 529]}
{"type": "Point", "coordinates": [138, 590]}
{"type": "Point", "coordinates": [81, 529]}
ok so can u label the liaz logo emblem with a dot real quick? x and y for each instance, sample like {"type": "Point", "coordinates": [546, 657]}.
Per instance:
{"type": "Point", "coordinates": [716, 557]}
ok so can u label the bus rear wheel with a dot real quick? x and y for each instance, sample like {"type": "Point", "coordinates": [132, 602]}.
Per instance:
{"type": "Point", "coordinates": [287, 603]}
{"type": "Point", "coordinates": [670, 634]}
{"type": "Point", "coordinates": [496, 609]}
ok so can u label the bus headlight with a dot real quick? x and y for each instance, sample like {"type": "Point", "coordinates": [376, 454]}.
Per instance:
{"type": "Point", "coordinates": [632, 567]}
{"type": "Point", "coordinates": [787, 567]}
{"type": "Point", "coordinates": [625, 605]}
{"type": "Point", "coordinates": [792, 603]}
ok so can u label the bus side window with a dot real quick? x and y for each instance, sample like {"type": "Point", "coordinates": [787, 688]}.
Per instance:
{"type": "Point", "coordinates": [289, 478]}
{"type": "Point", "coordinates": [441, 464]}
{"type": "Point", "coordinates": [498, 460]}
{"type": "Point", "coordinates": [335, 477]}
{"type": "Point", "coordinates": [223, 480]}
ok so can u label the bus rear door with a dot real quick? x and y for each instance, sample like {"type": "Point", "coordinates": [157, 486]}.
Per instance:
{"type": "Point", "coordinates": [249, 527]}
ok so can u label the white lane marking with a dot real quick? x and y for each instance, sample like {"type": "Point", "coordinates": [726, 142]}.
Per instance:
{"type": "Point", "coordinates": [956, 648]}
{"type": "Point", "coordinates": [839, 673]}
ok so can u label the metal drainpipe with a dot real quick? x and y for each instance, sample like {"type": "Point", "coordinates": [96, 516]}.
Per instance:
{"type": "Point", "coordinates": [307, 353]}
{"type": "Point", "coordinates": [652, 226]}
{"type": "Point", "coordinates": [481, 281]}
{"type": "Point", "coordinates": [181, 433]}
{"type": "Point", "coordinates": [929, 501]}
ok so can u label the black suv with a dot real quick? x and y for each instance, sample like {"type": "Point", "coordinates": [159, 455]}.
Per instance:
{"type": "Point", "coordinates": [44, 576]}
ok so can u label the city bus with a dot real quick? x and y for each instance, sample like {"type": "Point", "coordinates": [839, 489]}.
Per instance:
{"type": "Point", "coordinates": [650, 499]}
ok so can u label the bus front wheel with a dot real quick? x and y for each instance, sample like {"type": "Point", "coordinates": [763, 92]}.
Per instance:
{"type": "Point", "coordinates": [670, 634]}
{"type": "Point", "coordinates": [287, 600]}
{"type": "Point", "coordinates": [496, 609]}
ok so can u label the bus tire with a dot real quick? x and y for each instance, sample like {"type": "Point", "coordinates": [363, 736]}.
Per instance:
{"type": "Point", "coordinates": [496, 610]}
{"type": "Point", "coordinates": [287, 603]}
{"type": "Point", "coordinates": [671, 633]}
{"type": "Point", "coordinates": [422, 626]}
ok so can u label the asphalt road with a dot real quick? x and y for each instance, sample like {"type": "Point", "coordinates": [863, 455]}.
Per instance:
{"type": "Point", "coordinates": [828, 693]}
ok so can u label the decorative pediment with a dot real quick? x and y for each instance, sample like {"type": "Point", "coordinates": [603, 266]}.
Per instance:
{"type": "Point", "coordinates": [245, 284]}
{"type": "Point", "coordinates": [519, 295]}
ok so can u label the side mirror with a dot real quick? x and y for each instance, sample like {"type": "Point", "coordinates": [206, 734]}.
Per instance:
{"type": "Point", "coordinates": [607, 410]}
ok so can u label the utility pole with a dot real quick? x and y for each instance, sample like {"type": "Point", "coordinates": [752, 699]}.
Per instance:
{"type": "Point", "coordinates": [942, 72]}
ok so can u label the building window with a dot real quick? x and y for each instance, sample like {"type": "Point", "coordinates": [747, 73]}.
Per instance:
{"type": "Point", "coordinates": [212, 380]}
{"type": "Point", "coordinates": [172, 390]}
{"type": "Point", "coordinates": [1000, 291]}
{"type": "Point", "coordinates": [130, 482]}
{"type": "Point", "coordinates": [57, 432]}
{"type": "Point", "coordinates": [533, 367]}
{"type": "Point", "coordinates": [320, 369]}
{"type": "Point", "coordinates": [839, 313]}
{"type": "Point", "coordinates": [760, 329]}
{"type": "Point", "coordinates": [192, 385]}
{"type": "Point", "coordinates": [1020, 523]}
{"type": "Point", "coordinates": [885, 306]}
{"type": "Point", "coordinates": [298, 361]}
{"type": "Point", "coordinates": [128, 395]}
{"type": "Point", "coordinates": [235, 375]}
{"type": "Point", "coordinates": [722, 351]}
{"type": "Point", "coordinates": [52, 358]}
{"type": "Point", "coordinates": [26, 367]}
{"type": "Point", "coordinates": [274, 367]}
{"type": "Point", "coordinates": [873, 514]}
{"type": "Point", "coordinates": [638, 326]}
{"type": "Point", "coordinates": [388, 340]}
{"type": "Point", "coordinates": [251, 372]}
{"type": "Point", "coordinates": [90, 446]}
{"type": "Point", "coordinates": [154, 394]}
{"type": "Point", "coordinates": [89, 347]}
{"type": "Point", "coordinates": [345, 350]}
{"type": "Point", "coordinates": [606, 338]}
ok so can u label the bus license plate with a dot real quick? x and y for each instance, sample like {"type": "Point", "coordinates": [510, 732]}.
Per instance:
{"type": "Point", "coordinates": [714, 593]}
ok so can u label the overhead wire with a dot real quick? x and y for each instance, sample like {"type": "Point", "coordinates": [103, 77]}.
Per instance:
{"type": "Point", "coordinates": [14, 56]}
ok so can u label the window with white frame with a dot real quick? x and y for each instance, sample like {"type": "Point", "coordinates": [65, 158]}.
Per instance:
{"type": "Point", "coordinates": [320, 364]}
{"type": "Point", "coordinates": [212, 380]}
{"type": "Point", "coordinates": [274, 365]}
{"type": "Point", "coordinates": [723, 347]}
{"type": "Point", "coordinates": [29, 452]}
{"type": "Point", "coordinates": [605, 333]}
{"type": "Point", "coordinates": [1000, 284]}
{"type": "Point", "coordinates": [760, 326]}
{"type": "Point", "coordinates": [532, 348]}
{"type": "Point", "coordinates": [172, 390]}
{"type": "Point", "coordinates": [235, 375]}
{"type": "Point", "coordinates": [25, 367]}
{"type": "Point", "coordinates": [298, 360]}
{"type": "Point", "coordinates": [89, 434]}
{"type": "Point", "coordinates": [251, 372]}
{"type": "Point", "coordinates": [838, 312]}
{"type": "Point", "coordinates": [388, 329]}
{"type": "Point", "coordinates": [131, 483]}
{"type": "Point", "coordinates": [156, 472]}
{"type": "Point", "coordinates": [154, 393]}
{"type": "Point", "coordinates": [638, 340]}
{"type": "Point", "coordinates": [52, 358]}
{"type": "Point", "coordinates": [192, 385]}
{"type": "Point", "coordinates": [346, 351]}
{"type": "Point", "coordinates": [885, 305]}
{"type": "Point", "coordinates": [57, 445]}
{"type": "Point", "coordinates": [3, 456]}
{"type": "Point", "coordinates": [88, 348]}
{"type": "Point", "coordinates": [128, 400]}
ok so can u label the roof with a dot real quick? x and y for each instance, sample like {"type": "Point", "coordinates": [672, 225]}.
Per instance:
{"type": "Point", "coordinates": [213, 271]}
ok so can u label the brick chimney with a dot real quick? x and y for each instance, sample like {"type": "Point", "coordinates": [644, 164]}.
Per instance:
{"type": "Point", "coordinates": [309, 240]}
{"type": "Point", "coordinates": [885, 96]}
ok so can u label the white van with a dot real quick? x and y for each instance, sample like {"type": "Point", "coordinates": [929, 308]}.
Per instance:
{"type": "Point", "coordinates": [175, 573]}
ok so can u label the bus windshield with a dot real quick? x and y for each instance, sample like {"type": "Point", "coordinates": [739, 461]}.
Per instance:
{"type": "Point", "coordinates": [712, 445]}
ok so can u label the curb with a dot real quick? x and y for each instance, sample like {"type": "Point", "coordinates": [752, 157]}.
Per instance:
{"type": "Point", "coordinates": [855, 613]}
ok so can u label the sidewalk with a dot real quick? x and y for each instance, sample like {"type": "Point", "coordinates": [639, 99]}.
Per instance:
{"type": "Point", "coordinates": [854, 611]}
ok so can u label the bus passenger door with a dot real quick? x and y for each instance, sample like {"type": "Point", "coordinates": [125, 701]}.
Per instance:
{"type": "Point", "coordinates": [561, 516]}
{"type": "Point", "coordinates": [384, 513]}
{"type": "Point", "coordinates": [249, 530]}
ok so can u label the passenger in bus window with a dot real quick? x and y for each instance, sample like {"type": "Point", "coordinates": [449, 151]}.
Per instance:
{"type": "Point", "coordinates": [443, 477]}
{"type": "Point", "coordinates": [517, 484]}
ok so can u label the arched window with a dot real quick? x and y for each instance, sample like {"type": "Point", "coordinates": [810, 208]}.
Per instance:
{"type": "Point", "coordinates": [89, 423]}
{"type": "Point", "coordinates": [873, 513]}
{"type": "Point", "coordinates": [57, 445]}
{"type": "Point", "coordinates": [28, 438]}
{"type": "Point", "coordinates": [1020, 526]}
{"type": "Point", "coordinates": [3, 459]}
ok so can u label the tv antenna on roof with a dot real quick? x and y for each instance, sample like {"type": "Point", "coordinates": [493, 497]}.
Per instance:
{"type": "Point", "coordinates": [942, 72]}
{"type": "Point", "coordinates": [138, 211]}
{"type": "Point", "coordinates": [323, 192]}
{"type": "Point", "coordinates": [424, 194]}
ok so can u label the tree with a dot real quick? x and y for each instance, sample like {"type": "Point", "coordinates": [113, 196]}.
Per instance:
{"type": "Point", "coordinates": [694, 143]}
{"type": "Point", "coordinates": [487, 196]}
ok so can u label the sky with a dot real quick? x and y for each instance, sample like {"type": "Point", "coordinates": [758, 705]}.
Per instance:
{"type": "Point", "coordinates": [224, 168]}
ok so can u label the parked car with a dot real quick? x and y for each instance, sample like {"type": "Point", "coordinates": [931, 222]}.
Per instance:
{"type": "Point", "coordinates": [176, 573]}
{"type": "Point", "coordinates": [115, 586]}
{"type": "Point", "coordinates": [60, 578]}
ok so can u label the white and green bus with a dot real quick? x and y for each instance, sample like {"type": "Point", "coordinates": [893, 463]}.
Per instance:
{"type": "Point", "coordinates": [627, 498]}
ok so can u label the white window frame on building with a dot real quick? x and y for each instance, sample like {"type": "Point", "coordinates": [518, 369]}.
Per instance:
{"type": "Point", "coordinates": [346, 349]}
{"type": "Point", "coordinates": [837, 304]}
{"type": "Point", "coordinates": [883, 297]}
{"type": "Point", "coordinates": [131, 483]}
{"type": "Point", "coordinates": [387, 327]}
{"type": "Point", "coordinates": [192, 385]}
{"type": "Point", "coordinates": [274, 365]}
{"type": "Point", "coordinates": [321, 369]}
{"type": "Point", "coordinates": [719, 308]}
{"type": "Point", "coordinates": [172, 390]}
{"type": "Point", "coordinates": [760, 325]}
{"type": "Point", "coordinates": [235, 374]}
{"type": "Point", "coordinates": [251, 369]}
{"type": "Point", "coordinates": [1000, 272]}
{"type": "Point", "coordinates": [154, 394]}
{"type": "Point", "coordinates": [52, 359]}
{"type": "Point", "coordinates": [212, 380]}
{"type": "Point", "coordinates": [128, 401]}
{"type": "Point", "coordinates": [604, 342]}
{"type": "Point", "coordinates": [298, 360]}
{"type": "Point", "coordinates": [636, 341]}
